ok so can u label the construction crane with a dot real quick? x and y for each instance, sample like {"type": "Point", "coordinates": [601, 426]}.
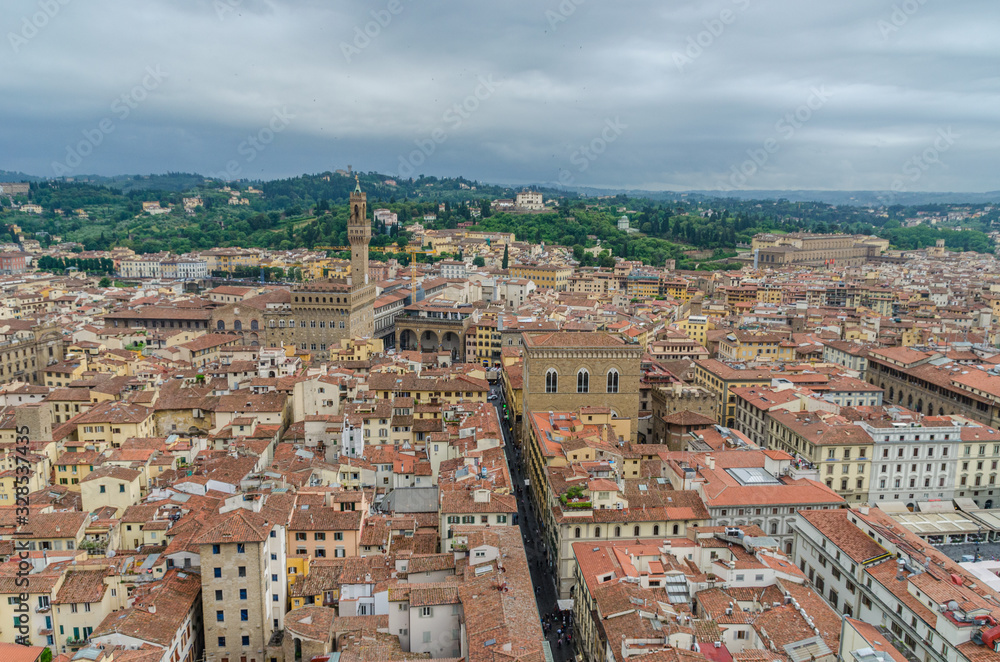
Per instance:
{"type": "Point", "coordinates": [413, 251]}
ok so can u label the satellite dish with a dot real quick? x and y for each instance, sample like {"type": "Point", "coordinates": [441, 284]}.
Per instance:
{"type": "Point", "coordinates": [110, 554]}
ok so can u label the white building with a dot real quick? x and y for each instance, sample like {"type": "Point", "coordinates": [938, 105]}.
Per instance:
{"type": "Point", "coordinates": [453, 269]}
{"type": "Point", "coordinates": [917, 460]}
{"type": "Point", "coordinates": [530, 200]}
{"type": "Point", "coordinates": [184, 268]}
{"type": "Point", "coordinates": [165, 266]}
{"type": "Point", "coordinates": [870, 567]}
{"type": "Point", "coordinates": [388, 218]}
{"type": "Point", "coordinates": [274, 362]}
{"type": "Point", "coordinates": [141, 266]}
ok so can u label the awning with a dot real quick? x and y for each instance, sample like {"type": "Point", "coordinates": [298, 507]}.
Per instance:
{"type": "Point", "coordinates": [966, 504]}
{"type": "Point", "coordinates": [565, 605]}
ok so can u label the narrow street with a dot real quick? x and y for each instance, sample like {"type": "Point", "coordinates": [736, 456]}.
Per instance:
{"type": "Point", "coordinates": [542, 575]}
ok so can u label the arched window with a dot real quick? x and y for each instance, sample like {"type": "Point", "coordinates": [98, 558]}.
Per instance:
{"type": "Point", "coordinates": [576, 534]}
{"type": "Point", "coordinates": [892, 393]}
{"type": "Point", "coordinates": [656, 529]}
{"type": "Point", "coordinates": [618, 532]}
{"type": "Point", "coordinates": [597, 532]}
{"type": "Point", "coordinates": [253, 325]}
{"type": "Point", "coordinates": [612, 381]}
{"type": "Point", "coordinates": [238, 325]}
{"type": "Point", "coordinates": [909, 401]}
{"type": "Point", "coordinates": [583, 381]}
{"type": "Point", "coordinates": [551, 381]}
{"type": "Point", "coordinates": [635, 531]}
{"type": "Point", "coordinates": [677, 529]}
{"type": "Point", "coordinates": [270, 323]}
{"type": "Point", "coordinates": [220, 325]}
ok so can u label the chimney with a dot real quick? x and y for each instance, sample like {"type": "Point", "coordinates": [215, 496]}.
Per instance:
{"type": "Point", "coordinates": [710, 462]}
{"type": "Point", "coordinates": [900, 573]}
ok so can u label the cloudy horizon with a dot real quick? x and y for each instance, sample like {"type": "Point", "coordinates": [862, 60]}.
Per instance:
{"type": "Point", "coordinates": [712, 95]}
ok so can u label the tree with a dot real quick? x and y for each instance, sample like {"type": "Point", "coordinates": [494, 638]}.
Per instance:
{"type": "Point", "coordinates": [479, 261]}
{"type": "Point", "coordinates": [105, 282]}
{"type": "Point", "coordinates": [506, 256]}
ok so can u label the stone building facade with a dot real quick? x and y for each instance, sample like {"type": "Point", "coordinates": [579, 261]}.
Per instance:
{"type": "Point", "coordinates": [243, 586]}
{"type": "Point", "coordinates": [26, 352]}
{"type": "Point", "coordinates": [918, 381]}
{"type": "Point", "coordinates": [323, 312]}
{"type": "Point", "coordinates": [565, 370]}
{"type": "Point", "coordinates": [814, 249]}
{"type": "Point", "coordinates": [675, 398]}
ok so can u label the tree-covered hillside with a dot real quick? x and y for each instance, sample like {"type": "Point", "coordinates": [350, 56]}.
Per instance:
{"type": "Point", "coordinates": [311, 211]}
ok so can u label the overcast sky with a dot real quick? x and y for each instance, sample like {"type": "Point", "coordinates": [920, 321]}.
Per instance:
{"type": "Point", "coordinates": [709, 94]}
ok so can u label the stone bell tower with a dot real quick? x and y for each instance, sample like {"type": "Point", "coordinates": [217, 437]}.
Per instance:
{"type": "Point", "coordinates": [359, 235]}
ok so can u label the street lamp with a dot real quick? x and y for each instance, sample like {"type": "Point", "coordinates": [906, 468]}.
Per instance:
{"type": "Point", "coordinates": [979, 538]}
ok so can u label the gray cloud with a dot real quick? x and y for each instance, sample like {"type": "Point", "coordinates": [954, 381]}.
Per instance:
{"type": "Point", "coordinates": [699, 85]}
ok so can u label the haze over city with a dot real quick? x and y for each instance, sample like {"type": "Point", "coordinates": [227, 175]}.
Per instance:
{"type": "Point", "coordinates": [848, 95]}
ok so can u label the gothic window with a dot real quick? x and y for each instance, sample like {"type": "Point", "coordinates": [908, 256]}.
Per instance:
{"type": "Point", "coordinates": [583, 381]}
{"type": "Point", "coordinates": [612, 381]}
{"type": "Point", "coordinates": [551, 381]}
